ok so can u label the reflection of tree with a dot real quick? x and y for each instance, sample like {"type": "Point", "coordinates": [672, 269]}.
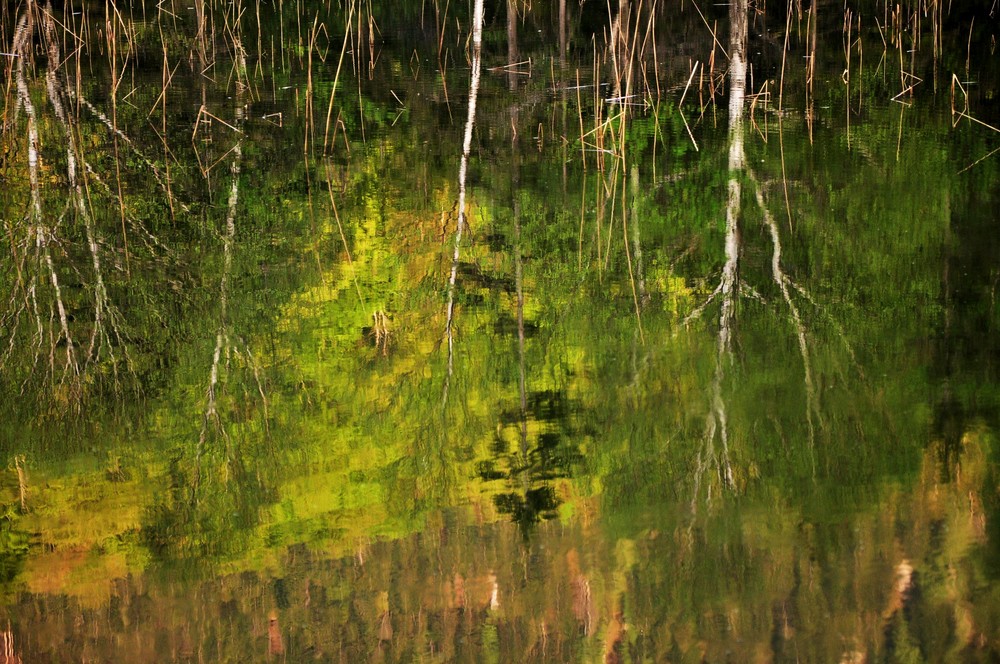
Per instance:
{"type": "Point", "coordinates": [730, 284]}
{"type": "Point", "coordinates": [716, 421]}
{"type": "Point", "coordinates": [193, 506]}
{"type": "Point", "coordinates": [477, 43]}
{"type": "Point", "coordinates": [66, 332]}
{"type": "Point", "coordinates": [530, 451]}
{"type": "Point", "coordinates": [224, 347]}
{"type": "Point", "coordinates": [39, 276]}
{"type": "Point", "coordinates": [527, 460]}
{"type": "Point", "coordinates": [534, 439]}
{"type": "Point", "coordinates": [768, 579]}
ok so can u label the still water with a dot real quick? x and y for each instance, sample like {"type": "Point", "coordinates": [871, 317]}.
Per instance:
{"type": "Point", "coordinates": [689, 379]}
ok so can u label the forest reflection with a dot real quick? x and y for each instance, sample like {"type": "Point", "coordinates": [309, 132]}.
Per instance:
{"type": "Point", "coordinates": [463, 590]}
{"type": "Point", "coordinates": [550, 331]}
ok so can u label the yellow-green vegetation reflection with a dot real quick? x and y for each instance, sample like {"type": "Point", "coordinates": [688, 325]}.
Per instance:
{"type": "Point", "coordinates": [723, 382]}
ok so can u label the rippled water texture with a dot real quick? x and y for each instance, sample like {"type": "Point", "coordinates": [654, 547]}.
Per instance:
{"type": "Point", "coordinates": [344, 331]}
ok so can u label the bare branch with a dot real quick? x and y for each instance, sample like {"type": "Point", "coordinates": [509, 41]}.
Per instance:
{"type": "Point", "coordinates": [777, 272]}
{"type": "Point", "coordinates": [106, 121]}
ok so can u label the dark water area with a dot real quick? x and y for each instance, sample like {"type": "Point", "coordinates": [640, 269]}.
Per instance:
{"type": "Point", "coordinates": [689, 379]}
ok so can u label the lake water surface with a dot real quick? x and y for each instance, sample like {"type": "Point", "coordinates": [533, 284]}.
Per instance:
{"type": "Point", "coordinates": [682, 384]}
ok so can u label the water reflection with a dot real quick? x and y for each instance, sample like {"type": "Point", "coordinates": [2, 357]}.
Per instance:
{"type": "Point", "coordinates": [637, 385]}
{"type": "Point", "coordinates": [766, 581]}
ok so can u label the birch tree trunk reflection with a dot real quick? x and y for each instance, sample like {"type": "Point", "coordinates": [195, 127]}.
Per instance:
{"type": "Point", "coordinates": [84, 338]}
{"type": "Point", "coordinates": [729, 286]}
{"type": "Point", "coordinates": [224, 347]}
{"type": "Point", "coordinates": [716, 422]}
{"type": "Point", "coordinates": [106, 315]}
{"type": "Point", "coordinates": [222, 333]}
{"type": "Point", "coordinates": [477, 43]}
